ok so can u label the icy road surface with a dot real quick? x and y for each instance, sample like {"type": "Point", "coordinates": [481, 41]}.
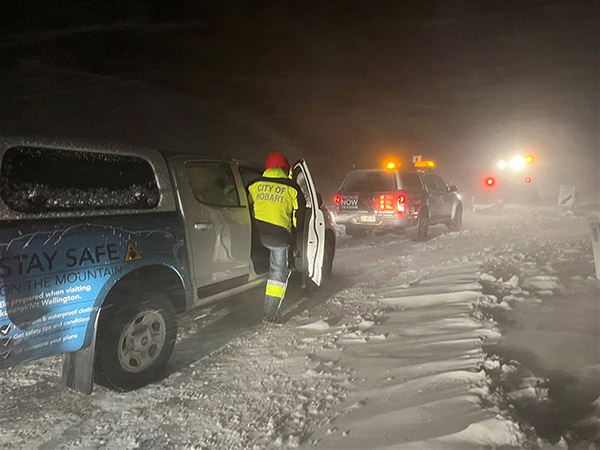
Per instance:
{"type": "Point", "coordinates": [453, 343]}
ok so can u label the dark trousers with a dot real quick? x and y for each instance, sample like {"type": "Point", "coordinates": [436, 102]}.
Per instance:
{"type": "Point", "coordinates": [279, 274]}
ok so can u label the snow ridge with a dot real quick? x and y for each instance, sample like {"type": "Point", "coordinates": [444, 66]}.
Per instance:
{"type": "Point", "coordinates": [419, 372]}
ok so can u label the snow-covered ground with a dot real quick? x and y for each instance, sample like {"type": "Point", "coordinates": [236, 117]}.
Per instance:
{"type": "Point", "coordinates": [483, 338]}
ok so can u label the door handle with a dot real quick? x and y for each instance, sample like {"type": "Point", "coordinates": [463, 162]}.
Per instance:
{"type": "Point", "coordinates": [203, 226]}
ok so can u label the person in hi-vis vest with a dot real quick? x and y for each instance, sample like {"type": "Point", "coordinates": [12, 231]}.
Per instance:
{"type": "Point", "coordinates": [278, 206]}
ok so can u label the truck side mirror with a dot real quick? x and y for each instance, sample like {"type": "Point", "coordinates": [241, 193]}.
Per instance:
{"type": "Point", "coordinates": [452, 188]}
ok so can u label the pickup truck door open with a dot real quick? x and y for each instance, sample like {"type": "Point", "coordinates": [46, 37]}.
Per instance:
{"type": "Point", "coordinates": [311, 246]}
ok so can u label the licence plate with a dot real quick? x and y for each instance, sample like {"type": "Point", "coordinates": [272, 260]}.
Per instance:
{"type": "Point", "coordinates": [370, 219]}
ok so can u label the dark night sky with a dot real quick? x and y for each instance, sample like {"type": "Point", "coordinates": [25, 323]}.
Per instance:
{"type": "Point", "coordinates": [338, 83]}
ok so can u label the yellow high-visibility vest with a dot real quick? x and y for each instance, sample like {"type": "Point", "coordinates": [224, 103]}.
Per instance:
{"type": "Point", "coordinates": [276, 201]}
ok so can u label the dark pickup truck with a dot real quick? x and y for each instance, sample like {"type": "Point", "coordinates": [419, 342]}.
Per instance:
{"type": "Point", "coordinates": [410, 200]}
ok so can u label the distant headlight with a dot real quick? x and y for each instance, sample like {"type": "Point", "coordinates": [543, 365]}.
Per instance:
{"type": "Point", "coordinates": [502, 164]}
{"type": "Point", "coordinates": [517, 163]}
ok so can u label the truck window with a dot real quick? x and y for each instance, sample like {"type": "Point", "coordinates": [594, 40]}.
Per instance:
{"type": "Point", "coordinates": [439, 183]}
{"type": "Point", "coordinates": [39, 180]}
{"type": "Point", "coordinates": [249, 175]}
{"type": "Point", "coordinates": [369, 181]}
{"type": "Point", "coordinates": [411, 181]}
{"type": "Point", "coordinates": [213, 183]}
{"type": "Point", "coordinates": [430, 183]}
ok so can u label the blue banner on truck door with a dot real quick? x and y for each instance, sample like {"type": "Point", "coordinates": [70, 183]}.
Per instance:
{"type": "Point", "coordinates": [52, 284]}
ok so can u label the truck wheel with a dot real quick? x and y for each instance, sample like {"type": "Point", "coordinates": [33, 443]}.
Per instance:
{"type": "Point", "coordinates": [135, 341]}
{"type": "Point", "coordinates": [456, 223]}
{"type": "Point", "coordinates": [357, 232]}
{"type": "Point", "coordinates": [419, 231]}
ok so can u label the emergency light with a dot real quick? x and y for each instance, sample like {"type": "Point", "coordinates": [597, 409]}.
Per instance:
{"type": "Point", "coordinates": [425, 164]}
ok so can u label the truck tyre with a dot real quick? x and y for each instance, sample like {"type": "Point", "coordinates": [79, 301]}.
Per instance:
{"type": "Point", "coordinates": [419, 231]}
{"type": "Point", "coordinates": [328, 261]}
{"type": "Point", "coordinates": [135, 341]}
{"type": "Point", "coordinates": [456, 223]}
{"type": "Point", "coordinates": [357, 232]}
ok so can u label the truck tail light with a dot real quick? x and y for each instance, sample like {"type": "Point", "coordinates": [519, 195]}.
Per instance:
{"type": "Point", "coordinates": [384, 202]}
{"type": "Point", "coordinates": [393, 202]}
{"type": "Point", "coordinates": [338, 203]}
{"type": "Point", "coordinates": [401, 203]}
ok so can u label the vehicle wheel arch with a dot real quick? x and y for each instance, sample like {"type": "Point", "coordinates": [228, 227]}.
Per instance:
{"type": "Point", "coordinates": [152, 277]}
{"type": "Point", "coordinates": [455, 206]}
{"type": "Point", "coordinates": [455, 222]}
{"type": "Point", "coordinates": [154, 291]}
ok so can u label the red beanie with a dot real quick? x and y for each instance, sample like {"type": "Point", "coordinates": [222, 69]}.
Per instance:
{"type": "Point", "coordinates": [277, 160]}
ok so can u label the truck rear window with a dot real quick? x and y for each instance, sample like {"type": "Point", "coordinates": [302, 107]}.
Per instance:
{"type": "Point", "coordinates": [38, 180]}
{"type": "Point", "coordinates": [369, 181]}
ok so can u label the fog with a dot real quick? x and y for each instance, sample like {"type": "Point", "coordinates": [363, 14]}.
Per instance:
{"type": "Point", "coordinates": [469, 327]}
{"type": "Point", "coordinates": [345, 83]}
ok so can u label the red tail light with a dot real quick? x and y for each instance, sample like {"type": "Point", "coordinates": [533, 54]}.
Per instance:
{"type": "Point", "coordinates": [490, 181]}
{"type": "Point", "coordinates": [338, 200]}
{"type": "Point", "coordinates": [384, 202]}
{"type": "Point", "coordinates": [401, 205]}
{"type": "Point", "coordinates": [392, 202]}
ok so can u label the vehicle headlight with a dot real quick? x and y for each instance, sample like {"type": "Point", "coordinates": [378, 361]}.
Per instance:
{"type": "Point", "coordinates": [517, 163]}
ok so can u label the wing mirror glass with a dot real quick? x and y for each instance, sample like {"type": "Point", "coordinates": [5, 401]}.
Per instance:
{"type": "Point", "coordinates": [319, 199]}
